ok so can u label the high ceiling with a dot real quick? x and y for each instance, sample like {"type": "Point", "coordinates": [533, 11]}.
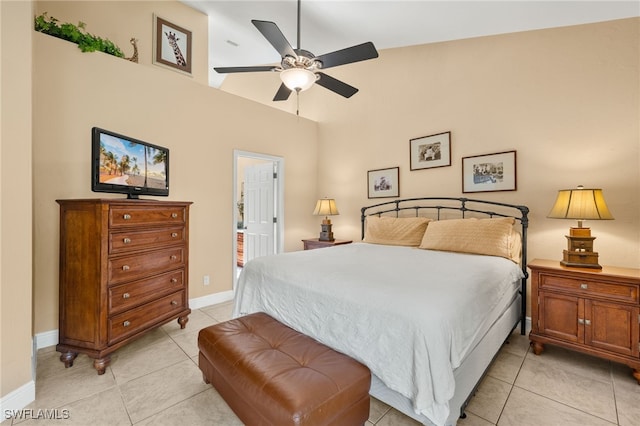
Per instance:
{"type": "Point", "coordinates": [329, 25]}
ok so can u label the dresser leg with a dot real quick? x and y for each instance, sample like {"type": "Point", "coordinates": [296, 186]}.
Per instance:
{"type": "Point", "coordinates": [183, 321]}
{"type": "Point", "coordinates": [537, 347]}
{"type": "Point", "coordinates": [636, 374]}
{"type": "Point", "coordinates": [68, 358]}
{"type": "Point", "coordinates": [101, 364]}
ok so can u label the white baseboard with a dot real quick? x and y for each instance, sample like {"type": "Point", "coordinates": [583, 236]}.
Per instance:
{"type": "Point", "coordinates": [17, 400]}
{"type": "Point", "coordinates": [50, 338]}
{"type": "Point", "coordinates": [211, 299]}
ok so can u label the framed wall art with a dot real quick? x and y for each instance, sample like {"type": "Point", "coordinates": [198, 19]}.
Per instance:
{"type": "Point", "coordinates": [384, 183]}
{"type": "Point", "coordinates": [432, 151]}
{"type": "Point", "coordinates": [489, 172]}
{"type": "Point", "coordinates": [171, 45]}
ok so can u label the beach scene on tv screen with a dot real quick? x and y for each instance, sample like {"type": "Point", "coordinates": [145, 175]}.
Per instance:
{"type": "Point", "coordinates": [123, 162]}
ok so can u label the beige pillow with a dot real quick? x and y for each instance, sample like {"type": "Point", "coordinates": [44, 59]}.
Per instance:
{"type": "Point", "coordinates": [395, 231]}
{"type": "Point", "coordinates": [492, 237]}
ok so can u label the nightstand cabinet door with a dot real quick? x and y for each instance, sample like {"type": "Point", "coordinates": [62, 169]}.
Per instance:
{"type": "Point", "coordinates": [559, 316]}
{"type": "Point", "coordinates": [612, 327]}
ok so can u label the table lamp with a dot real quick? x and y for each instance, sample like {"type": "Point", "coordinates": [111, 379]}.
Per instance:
{"type": "Point", "coordinates": [580, 204]}
{"type": "Point", "coordinates": [326, 207]}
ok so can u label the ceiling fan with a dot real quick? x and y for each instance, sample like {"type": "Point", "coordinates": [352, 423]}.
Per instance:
{"type": "Point", "coordinates": [299, 69]}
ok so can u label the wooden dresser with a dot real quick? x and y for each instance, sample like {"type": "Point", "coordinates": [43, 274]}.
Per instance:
{"type": "Point", "coordinates": [587, 310]}
{"type": "Point", "coordinates": [123, 271]}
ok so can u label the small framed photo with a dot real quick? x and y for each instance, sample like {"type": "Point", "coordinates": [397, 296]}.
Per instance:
{"type": "Point", "coordinates": [432, 151]}
{"type": "Point", "coordinates": [489, 172]}
{"type": "Point", "coordinates": [171, 45]}
{"type": "Point", "coordinates": [384, 183]}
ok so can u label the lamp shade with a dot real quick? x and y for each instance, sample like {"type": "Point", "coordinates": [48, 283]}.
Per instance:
{"type": "Point", "coordinates": [580, 204]}
{"type": "Point", "coordinates": [298, 79]}
{"type": "Point", "coordinates": [326, 207]}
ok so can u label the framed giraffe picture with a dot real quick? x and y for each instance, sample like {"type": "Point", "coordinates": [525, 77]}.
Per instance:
{"type": "Point", "coordinates": [172, 45]}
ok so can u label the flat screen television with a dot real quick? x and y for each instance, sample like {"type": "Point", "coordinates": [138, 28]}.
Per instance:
{"type": "Point", "coordinates": [124, 165]}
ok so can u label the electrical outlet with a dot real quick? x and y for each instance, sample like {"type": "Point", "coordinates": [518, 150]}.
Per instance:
{"type": "Point", "coordinates": [205, 280]}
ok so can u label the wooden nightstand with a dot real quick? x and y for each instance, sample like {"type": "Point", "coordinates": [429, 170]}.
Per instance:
{"type": "Point", "coordinates": [587, 310]}
{"type": "Point", "coordinates": [315, 243]}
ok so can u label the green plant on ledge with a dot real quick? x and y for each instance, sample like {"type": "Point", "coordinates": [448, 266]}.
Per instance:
{"type": "Point", "coordinates": [76, 34]}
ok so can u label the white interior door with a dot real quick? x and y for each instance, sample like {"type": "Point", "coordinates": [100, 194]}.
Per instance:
{"type": "Point", "coordinates": [259, 211]}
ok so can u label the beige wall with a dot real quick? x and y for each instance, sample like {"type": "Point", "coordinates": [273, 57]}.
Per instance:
{"type": "Point", "coordinates": [74, 91]}
{"type": "Point", "coordinates": [566, 99]}
{"type": "Point", "coordinates": [15, 197]}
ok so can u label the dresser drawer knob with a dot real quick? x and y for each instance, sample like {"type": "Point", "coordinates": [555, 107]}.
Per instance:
{"type": "Point", "coordinates": [584, 286]}
{"type": "Point", "coordinates": [126, 296]}
{"type": "Point", "coordinates": [126, 240]}
{"type": "Point", "coordinates": [580, 321]}
{"type": "Point", "coordinates": [587, 322]}
{"type": "Point", "coordinates": [126, 324]}
{"type": "Point", "coordinates": [174, 303]}
{"type": "Point", "coordinates": [174, 280]}
{"type": "Point", "coordinates": [126, 216]}
{"type": "Point", "coordinates": [174, 234]}
{"type": "Point", "coordinates": [174, 257]}
{"type": "Point", "coordinates": [125, 267]}
{"type": "Point", "coordinates": [174, 215]}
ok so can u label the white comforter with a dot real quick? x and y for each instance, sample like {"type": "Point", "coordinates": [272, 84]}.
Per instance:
{"type": "Point", "coordinates": [410, 315]}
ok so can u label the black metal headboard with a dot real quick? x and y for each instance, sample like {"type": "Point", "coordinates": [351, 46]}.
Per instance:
{"type": "Point", "coordinates": [442, 207]}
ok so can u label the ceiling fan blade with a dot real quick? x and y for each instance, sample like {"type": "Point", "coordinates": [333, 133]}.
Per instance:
{"type": "Point", "coordinates": [272, 33]}
{"type": "Point", "coordinates": [336, 85]}
{"type": "Point", "coordinates": [282, 94]}
{"type": "Point", "coordinates": [361, 52]}
{"type": "Point", "coordinates": [224, 70]}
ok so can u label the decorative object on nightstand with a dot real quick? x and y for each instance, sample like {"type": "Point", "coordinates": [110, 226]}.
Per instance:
{"type": "Point", "coordinates": [326, 207]}
{"type": "Point", "coordinates": [596, 312]}
{"type": "Point", "coordinates": [581, 204]}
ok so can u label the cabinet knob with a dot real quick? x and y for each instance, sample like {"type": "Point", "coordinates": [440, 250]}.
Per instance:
{"type": "Point", "coordinates": [125, 267]}
{"type": "Point", "coordinates": [126, 240]}
{"type": "Point", "coordinates": [174, 215]}
{"type": "Point", "coordinates": [126, 324]}
{"type": "Point", "coordinates": [174, 257]}
{"type": "Point", "coordinates": [126, 216]}
{"type": "Point", "coordinates": [174, 303]}
{"type": "Point", "coordinates": [126, 296]}
{"type": "Point", "coordinates": [584, 286]}
{"type": "Point", "coordinates": [174, 280]}
{"type": "Point", "coordinates": [174, 234]}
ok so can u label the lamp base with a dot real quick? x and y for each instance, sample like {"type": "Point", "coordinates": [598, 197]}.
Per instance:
{"type": "Point", "coordinates": [326, 234]}
{"type": "Point", "coordinates": [580, 259]}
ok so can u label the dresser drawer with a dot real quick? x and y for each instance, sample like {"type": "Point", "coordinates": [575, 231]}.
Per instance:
{"type": "Point", "coordinates": [127, 268]}
{"type": "Point", "coordinates": [610, 291]}
{"type": "Point", "coordinates": [122, 242]}
{"type": "Point", "coordinates": [127, 296]}
{"type": "Point", "coordinates": [123, 216]}
{"type": "Point", "coordinates": [130, 322]}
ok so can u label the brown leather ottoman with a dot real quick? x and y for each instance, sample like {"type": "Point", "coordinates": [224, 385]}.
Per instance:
{"type": "Point", "coordinates": [270, 374]}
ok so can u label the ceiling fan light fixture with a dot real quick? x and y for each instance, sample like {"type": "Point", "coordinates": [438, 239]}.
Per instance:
{"type": "Point", "coordinates": [298, 79]}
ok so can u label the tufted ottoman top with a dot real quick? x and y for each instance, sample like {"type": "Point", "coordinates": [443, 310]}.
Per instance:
{"type": "Point", "coordinates": [283, 375]}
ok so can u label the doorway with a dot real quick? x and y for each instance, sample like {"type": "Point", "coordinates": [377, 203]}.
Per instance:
{"type": "Point", "coordinates": [258, 188]}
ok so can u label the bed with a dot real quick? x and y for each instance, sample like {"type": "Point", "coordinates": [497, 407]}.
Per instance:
{"type": "Point", "coordinates": [426, 300]}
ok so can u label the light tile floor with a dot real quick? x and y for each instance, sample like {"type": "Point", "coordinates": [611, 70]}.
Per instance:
{"type": "Point", "coordinates": [156, 381]}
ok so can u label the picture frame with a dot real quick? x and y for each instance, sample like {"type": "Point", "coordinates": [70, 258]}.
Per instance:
{"type": "Point", "coordinates": [431, 151]}
{"type": "Point", "coordinates": [171, 45]}
{"type": "Point", "coordinates": [489, 172]}
{"type": "Point", "coordinates": [383, 183]}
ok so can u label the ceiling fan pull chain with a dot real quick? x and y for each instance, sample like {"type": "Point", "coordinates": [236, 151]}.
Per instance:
{"type": "Point", "coordinates": [298, 102]}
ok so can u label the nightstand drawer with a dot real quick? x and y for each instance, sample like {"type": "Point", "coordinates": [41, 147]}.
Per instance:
{"type": "Point", "coordinates": [610, 291]}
